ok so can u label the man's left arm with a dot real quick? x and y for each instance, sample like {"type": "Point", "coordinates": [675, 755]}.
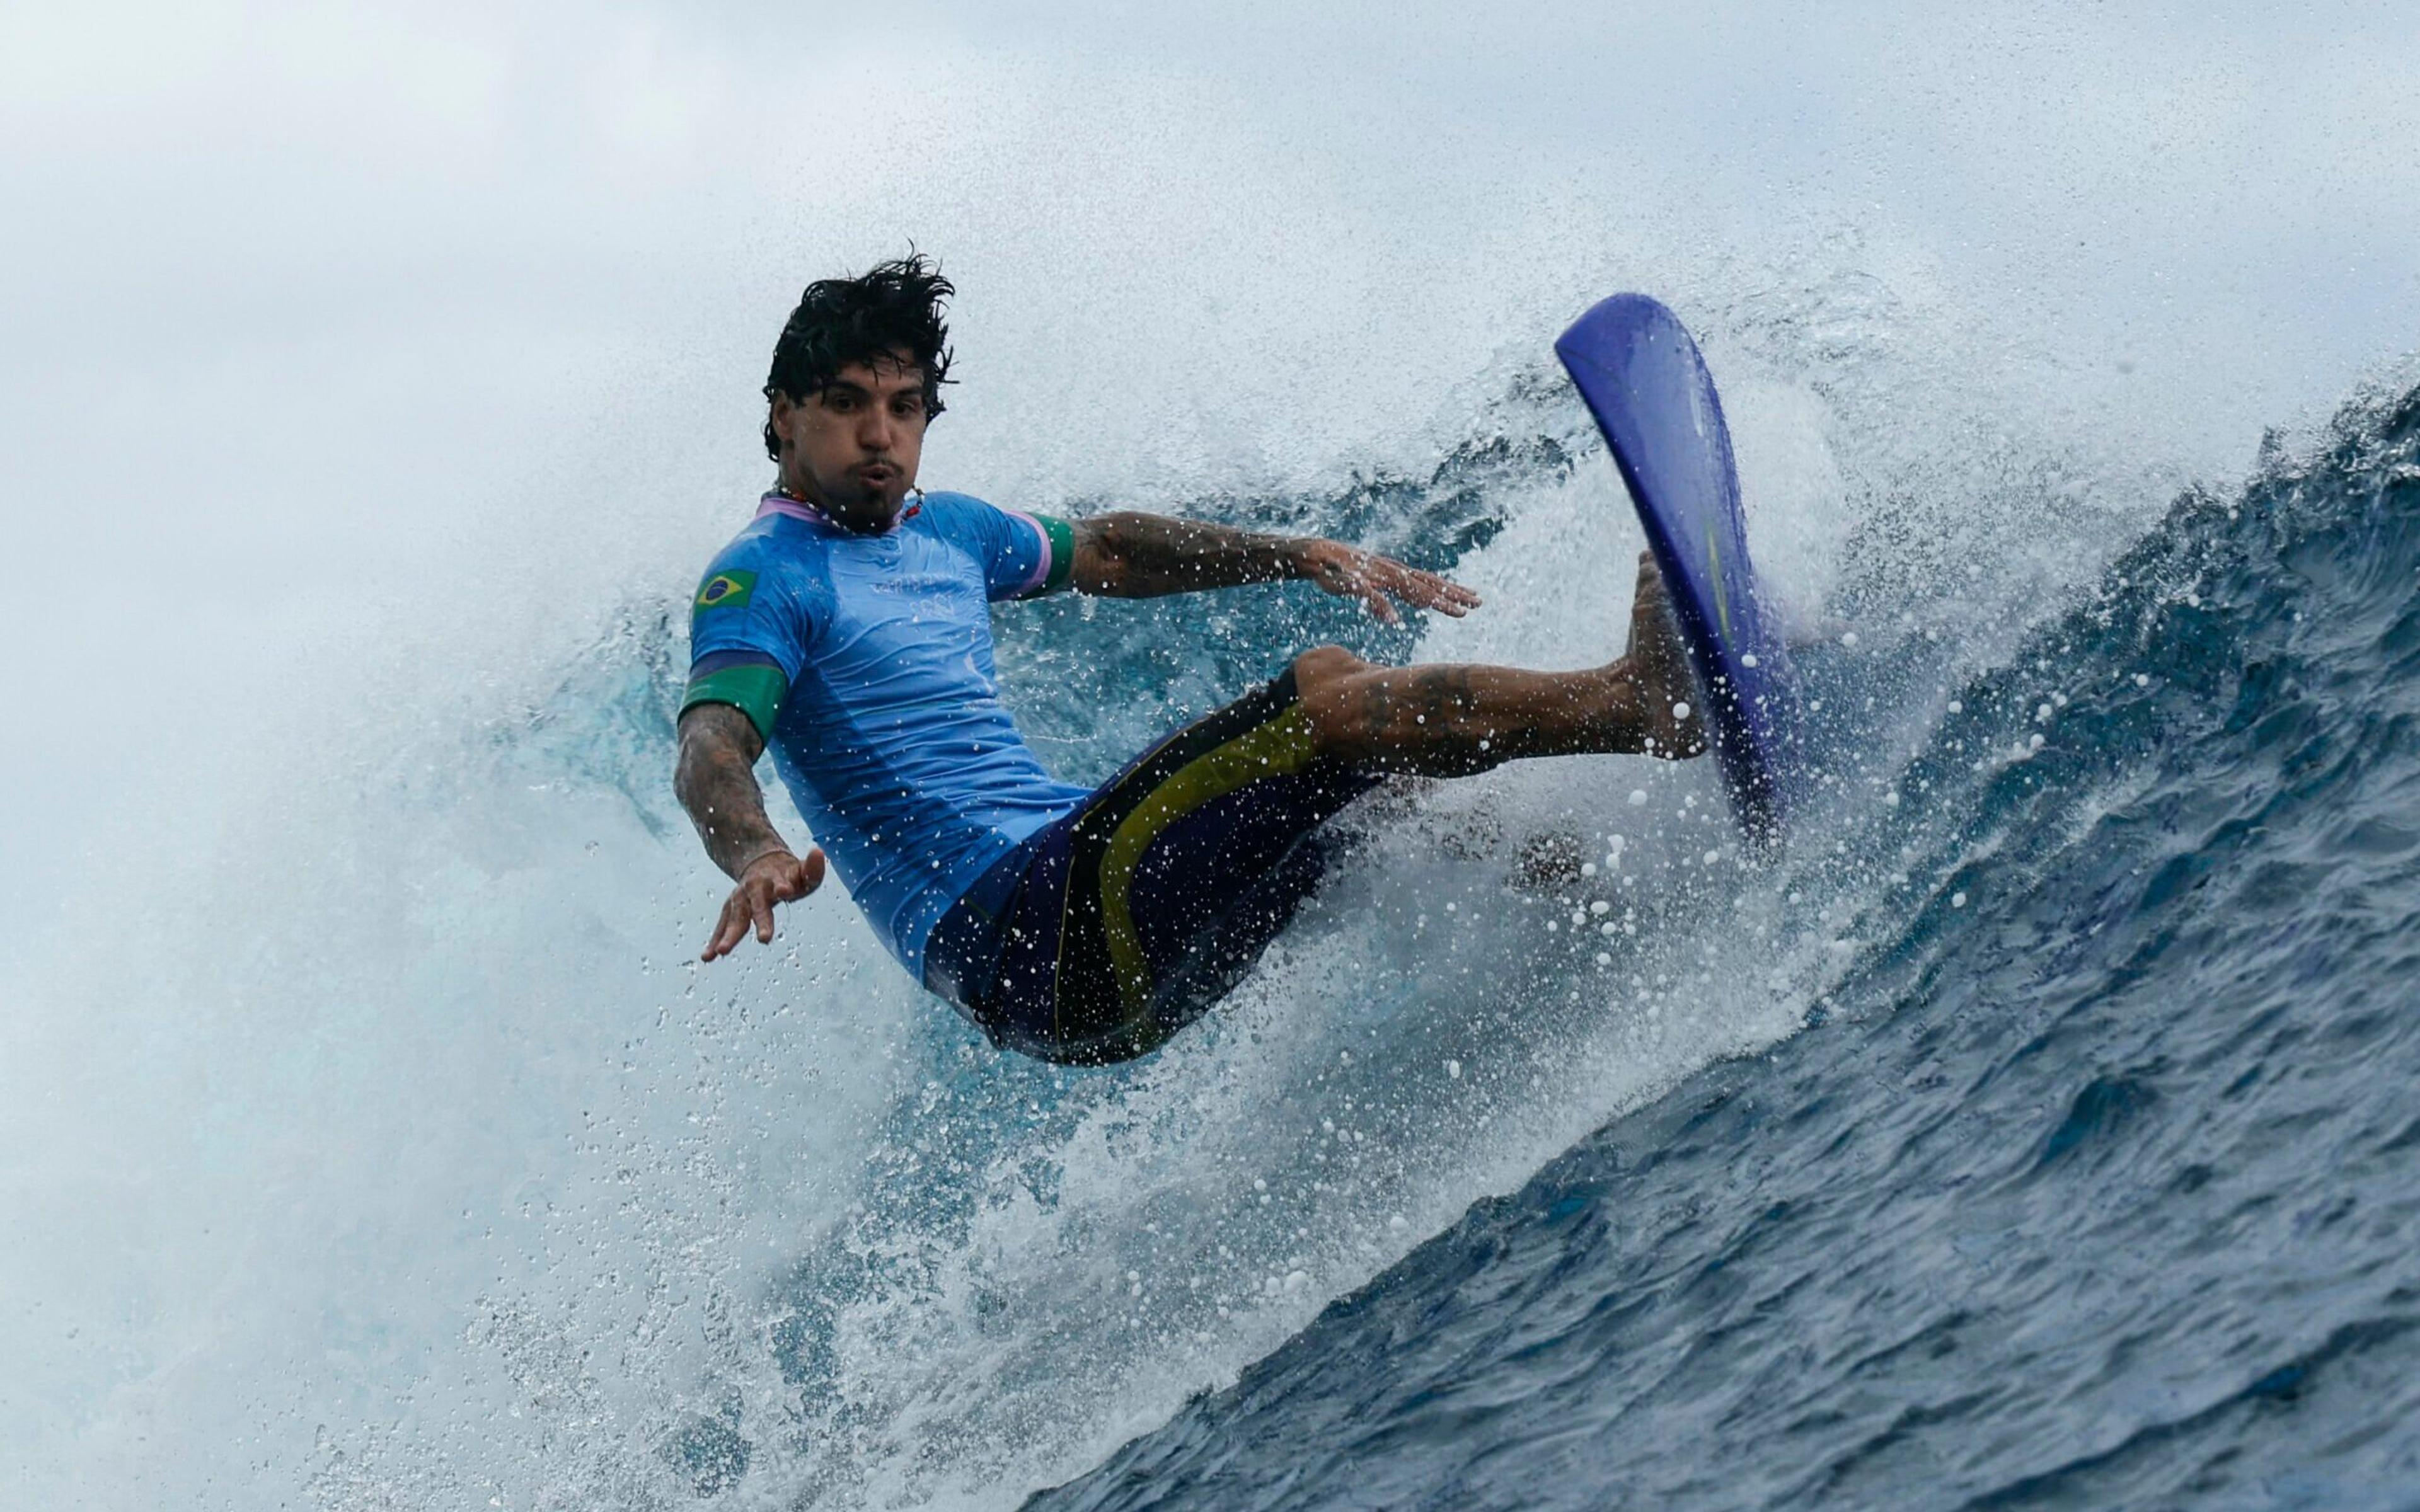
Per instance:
{"type": "Point", "coordinates": [1132, 555]}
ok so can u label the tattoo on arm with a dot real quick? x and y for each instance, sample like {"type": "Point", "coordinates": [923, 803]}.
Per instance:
{"type": "Point", "coordinates": [715, 779]}
{"type": "Point", "coordinates": [1378, 708]}
{"type": "Point", "coordinates": [1131, 555]}
{"type": "Point", "coordinates": [1437, 697]}
{"type": "Point", "coordinates": [1442, 692]}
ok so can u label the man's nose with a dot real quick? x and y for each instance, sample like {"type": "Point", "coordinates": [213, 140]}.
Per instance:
{"type": "Point", "coordinates": [878, 431]}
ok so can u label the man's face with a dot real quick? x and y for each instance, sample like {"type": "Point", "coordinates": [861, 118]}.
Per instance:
{"type": "Point", "coordinates": [852, 448]}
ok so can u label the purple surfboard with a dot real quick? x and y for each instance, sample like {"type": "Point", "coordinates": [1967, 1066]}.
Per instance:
{"type": "Point", "coordinates": [1647, 385]}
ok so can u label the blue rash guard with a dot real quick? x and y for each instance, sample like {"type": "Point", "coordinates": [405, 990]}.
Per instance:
{"type": "Point", "coordinates": [865, 663]}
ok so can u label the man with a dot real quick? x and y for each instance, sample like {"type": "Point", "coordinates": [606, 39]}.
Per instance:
{"type": "Point", "coordinates": [848, 629]}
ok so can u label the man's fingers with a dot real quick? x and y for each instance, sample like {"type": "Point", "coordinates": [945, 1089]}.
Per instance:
{"type": "Point", "coordinates": [1443, 589]}
{"type": "Point", "coordinates": [734, 925]}
{"type": "Point", "coordinates": [791, 883]}
{"type": "Point", "coordinates": [750, 904]}
{"type": "Point", "coordinates": [1368, 581]}
{"type": "Point", "coordinates": [753, 900]}
{"type": "Point", "coordinates": [1378, 581]}
{"type": "Point", "coordinates": [1429, 590]}
{"type": "Point", "coordinates": [1426, 590]}
{"type": "Point", "coordinates": [726, 931]}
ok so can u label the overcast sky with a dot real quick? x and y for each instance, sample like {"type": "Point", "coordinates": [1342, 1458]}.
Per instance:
{"type": "Point", "coordinates": [321, 322]}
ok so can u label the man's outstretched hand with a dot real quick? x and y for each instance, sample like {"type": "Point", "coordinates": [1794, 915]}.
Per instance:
{"type": "Point", "coordinates": [1349, 572]}
{"type": "Point", "coordinates": [774, 877]}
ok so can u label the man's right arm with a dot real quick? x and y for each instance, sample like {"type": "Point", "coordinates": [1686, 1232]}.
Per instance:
{"type": "Point", "coordinates": [715, 779]}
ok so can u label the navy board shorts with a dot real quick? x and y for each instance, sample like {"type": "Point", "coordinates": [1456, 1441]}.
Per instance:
{"type": "Point", "coordinates": [1107, 932]}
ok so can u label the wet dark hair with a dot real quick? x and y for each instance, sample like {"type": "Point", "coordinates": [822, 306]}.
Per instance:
{"type": "Point", "coordinates": [891, 307]}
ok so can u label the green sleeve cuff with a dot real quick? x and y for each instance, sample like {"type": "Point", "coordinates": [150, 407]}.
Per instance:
{"type": "Point", "coordinates": [1062, 553]}
{"type": "Point", "coordinates": [755, 691]}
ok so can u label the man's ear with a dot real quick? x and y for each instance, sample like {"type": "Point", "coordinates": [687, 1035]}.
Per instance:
{"type": "Point", "coordinates": [783, 409]}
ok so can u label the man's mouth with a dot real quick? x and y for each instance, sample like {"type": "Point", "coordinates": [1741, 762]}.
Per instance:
{"type": "Point", "coordinates": [875, 473]}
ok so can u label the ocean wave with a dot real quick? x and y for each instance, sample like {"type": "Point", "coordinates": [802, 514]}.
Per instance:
{"type": "Point", "coordinates": [2090, 1185]}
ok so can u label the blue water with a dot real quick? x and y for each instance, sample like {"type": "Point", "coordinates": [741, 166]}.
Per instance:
{"type": "Point", "coordinates": [2093, 1179]}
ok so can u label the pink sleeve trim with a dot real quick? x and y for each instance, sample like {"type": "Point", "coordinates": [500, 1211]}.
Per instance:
{"type": "Point", "coordinates": [1041, 573]}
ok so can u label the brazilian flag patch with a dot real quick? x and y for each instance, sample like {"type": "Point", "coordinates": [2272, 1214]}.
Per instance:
{"type": "Point", "coordinates": [726, 590]}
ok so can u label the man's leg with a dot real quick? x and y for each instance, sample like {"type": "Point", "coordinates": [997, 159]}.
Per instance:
{"type": "Point", "coordinates": [1452, 720]}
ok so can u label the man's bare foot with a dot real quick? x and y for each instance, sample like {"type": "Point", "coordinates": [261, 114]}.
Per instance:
{"type": "Point", "coordinates": [1658, 664]}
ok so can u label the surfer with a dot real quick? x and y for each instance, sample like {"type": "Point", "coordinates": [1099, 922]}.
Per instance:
{"type": "Point", "coordinates": [848, 628]}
